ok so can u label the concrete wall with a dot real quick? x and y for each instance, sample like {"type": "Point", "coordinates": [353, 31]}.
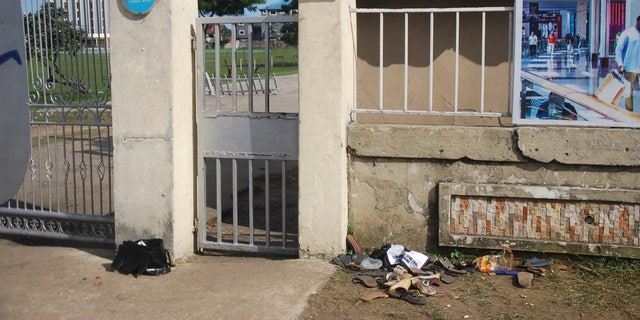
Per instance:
{"type": "Point", "coordinates": [395, 171]}
{"type": "Point", "coordinates": [153, 123]}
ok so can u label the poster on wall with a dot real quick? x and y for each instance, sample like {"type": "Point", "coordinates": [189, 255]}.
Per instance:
{"type": "Point", "coordinates": [562, 81]}
{"type": "Point", "coordinates": [14, 114]}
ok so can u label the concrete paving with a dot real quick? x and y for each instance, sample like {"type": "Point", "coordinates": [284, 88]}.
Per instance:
{"type": "Point", "coordinates": [57, 282]}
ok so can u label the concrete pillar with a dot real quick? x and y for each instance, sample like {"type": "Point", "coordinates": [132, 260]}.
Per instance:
{"type": "Point", "coordinates": [326, 97]}
{"type": "Point", "coordinates": [152, 98]}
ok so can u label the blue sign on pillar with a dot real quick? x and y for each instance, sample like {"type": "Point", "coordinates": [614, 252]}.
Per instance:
{"type": "Point", "coordinates": [138, 6]}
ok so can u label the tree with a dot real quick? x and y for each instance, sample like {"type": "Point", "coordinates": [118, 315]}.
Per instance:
{"type": "Point", "coordinates": [289, 31]}
{"type": "Point", "coordinates": [50, 34]}
{"type": "Point", "coordinates": [226, 7]}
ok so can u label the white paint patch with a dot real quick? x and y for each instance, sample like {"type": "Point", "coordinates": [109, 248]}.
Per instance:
{"type": "Point", "coordinates": [413, 203]}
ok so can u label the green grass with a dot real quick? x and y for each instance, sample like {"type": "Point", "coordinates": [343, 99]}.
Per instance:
{"type": "Point", "coordinates": [88, 68]}
{"type": "Point", "coordinates": [282, 61]}
{"type": "Point", "coordinates": [93, 71]}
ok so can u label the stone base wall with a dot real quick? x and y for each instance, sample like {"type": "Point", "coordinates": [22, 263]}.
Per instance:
{"type": "Point", "coordinates": [407, 185]}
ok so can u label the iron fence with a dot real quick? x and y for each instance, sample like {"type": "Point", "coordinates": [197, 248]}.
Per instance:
{"type": "Point", "coordinates": [67, 191]}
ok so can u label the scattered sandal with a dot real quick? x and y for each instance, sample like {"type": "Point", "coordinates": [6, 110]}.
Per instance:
{"type": "Point", "coordinates": [409, 296]}
{"type": "Point", "coordinates": [447, 278]}
{"type": "Point", "coordinates": [534, 262]}
{"type": "Point", "coordinates": [424, 286]}
{"type": "Point", "coordinates": [391, 278]}
{"type": "Point", "coordinates": [367, 281]}
{"type": "Point", "coordinates": [373, 295]}
{"type": "Point", "coordinates": [400, 286]}
{"type": "Point", "coordinates": [448, 266]}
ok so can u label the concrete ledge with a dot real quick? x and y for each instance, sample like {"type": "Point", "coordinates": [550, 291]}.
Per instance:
{"type": "Point", "coordinates": [540, 218]}
{"type": "Point", "coordinates": [592, 146]}
{"type": "Point", "coordinates": [435, 142]}
{"type": "Point", "coordinates": [581, 146]}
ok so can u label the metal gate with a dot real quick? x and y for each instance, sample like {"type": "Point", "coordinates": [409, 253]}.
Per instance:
{"type": "Point", "coordinates": [67, 189]}
{"type": "Point", "coordinates": [247, 131]}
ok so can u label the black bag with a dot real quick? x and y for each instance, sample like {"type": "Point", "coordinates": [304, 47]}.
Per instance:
{"type": "Point", "coordinates": [144, 256]}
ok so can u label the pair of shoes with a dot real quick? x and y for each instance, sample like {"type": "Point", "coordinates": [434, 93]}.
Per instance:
{"type": "Point", "coordinates": [409, 296]}
{"type": "Point", "coordinates": [449, 267]}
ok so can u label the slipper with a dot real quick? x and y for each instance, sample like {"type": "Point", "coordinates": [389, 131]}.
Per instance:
{"type": "Point", "coordinates": [367, 281]}
{"type": "Point", "coordinates": [420, 272]}
{"type": "Point", "coordinates": [423, 285]}
{"type": "Point", "coordinates": [373, 295]}
{"type": "Point", "coordinates": [525, 278]}
{"type": "Point", "coordinates": [402, 272]}
{"type": "Point", "coordinates": [447, 278]}
{"type": "Point", "coordinates": [353, 243]}
{"type": "Point", "coordinates": [390, 278]}
{"type": "Point", "coordinates": [434, 282]}
{"type": "Point", "coordinates": [410, 297]}
{"type": "Point", "coordinates": [448, 266]}
{"type": "Point", "coordinates": [537, 271]}
{"type": "Point", "coordinates": [372, 273]}
{"type": "Point", "coordinates": [534, 262]}
{"type": "Point", "coordinates": [400, 286]}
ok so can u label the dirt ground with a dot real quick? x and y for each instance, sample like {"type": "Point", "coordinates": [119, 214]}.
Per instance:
{"type": "Point", "coordinates": [593, 288]}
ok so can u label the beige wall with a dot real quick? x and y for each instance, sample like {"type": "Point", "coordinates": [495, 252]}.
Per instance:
{"type": "Point", "coordinates": [497, 62]}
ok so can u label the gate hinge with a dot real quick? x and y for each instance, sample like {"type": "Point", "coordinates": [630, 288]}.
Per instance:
{"type": "Point", "coordinates": [193, 39]}
{"type": "Point", "coordinates": [195, 225]}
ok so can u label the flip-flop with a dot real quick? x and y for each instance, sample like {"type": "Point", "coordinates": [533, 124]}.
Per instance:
{"type": "Point", "coordinates": [447, 278]}
{"type": "Point", "coordinates": [391, 278]}
{"type": "Point", "coordinates": [409, 296]}
{"type": "Point", "coordinates": [400, 286]}
{"type": "Point", "coordinates": [534, 262]}
{"type": "Point", "coordinates": [525, 278]}
{"type": "Point", "coordinates": [367, 281]}
{"type": "Point", "coordinates": [373, 295]}
{"type": "Point", "coordinates": [448, 266]}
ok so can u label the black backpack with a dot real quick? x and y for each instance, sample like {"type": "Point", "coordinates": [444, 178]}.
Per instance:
{"type": "Point", "coordinates": [144, 256]}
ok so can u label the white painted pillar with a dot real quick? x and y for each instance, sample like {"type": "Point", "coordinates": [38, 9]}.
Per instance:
{"type": "Point", "coordinates": [152, 98]}
{"type": "Point", "coordinates": [326, 97]}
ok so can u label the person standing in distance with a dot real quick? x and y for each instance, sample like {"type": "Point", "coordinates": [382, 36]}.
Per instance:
{"type": "Point", "coordinates": [551, 43]}
{"type": "Point", "coordinates": [533, 44]}
{"type": "Point", "coordinates": [628, 58]}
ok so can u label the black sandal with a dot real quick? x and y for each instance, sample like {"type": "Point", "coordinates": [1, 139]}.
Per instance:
{"type": "Point", "coordinates": [448, 266]}
{"type": "Point", "coordinates": [409, 296]}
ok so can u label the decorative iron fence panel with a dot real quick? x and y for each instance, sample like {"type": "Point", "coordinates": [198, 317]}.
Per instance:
{"type": "Point", "coordinates": [67, 191]}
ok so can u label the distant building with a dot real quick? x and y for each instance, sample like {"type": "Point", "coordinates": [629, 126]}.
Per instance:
{"type": "Point", "coordinates": [91, 17]}
{"type": "Point", "coordinates": [269, 8]}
